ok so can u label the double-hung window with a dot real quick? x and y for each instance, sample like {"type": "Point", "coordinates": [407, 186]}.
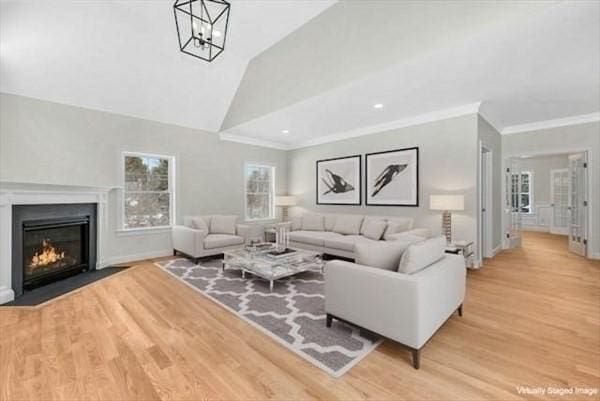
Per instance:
{"type": "Point", "coordinates": [148, 191]}
{"type": "Point", "coordinates": [260, 191]}
{"type": "Point", "coordinates": [522, 188]}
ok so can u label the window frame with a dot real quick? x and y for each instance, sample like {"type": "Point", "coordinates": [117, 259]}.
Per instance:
{"type": "Point", "coordinates": [272, 214]}
{"type": "Point", "coordinates": [529, 175]}
{"type": "Point", "coordinates": [171, 191]}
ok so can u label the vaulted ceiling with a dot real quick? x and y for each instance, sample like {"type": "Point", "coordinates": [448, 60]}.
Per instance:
{"type": "Point", "coordinates": [313, 68]}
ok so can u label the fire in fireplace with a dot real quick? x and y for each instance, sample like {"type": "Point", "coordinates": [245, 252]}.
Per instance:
{"type": "Point", "coordinates": [54, 248]}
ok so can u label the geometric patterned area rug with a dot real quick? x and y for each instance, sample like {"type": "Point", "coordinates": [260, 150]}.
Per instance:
{"type": "Point", "coordinates": [293, 314]}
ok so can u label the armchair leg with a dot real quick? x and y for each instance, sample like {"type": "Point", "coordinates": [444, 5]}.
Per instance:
{"type": "Point", "coordinates": [460, 310]}
{"type": "Point", "coordinates": [196, 260]}
{"type": "Point", "coordinates": [329, 320]}
{"type": "Point", "coordinates": [416, 357]}
{"type": "Point", "coordinates": [174, 252]}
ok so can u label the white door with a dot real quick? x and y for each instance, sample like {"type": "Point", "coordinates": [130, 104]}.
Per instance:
{"type": "Point", "coordinates": [512, 206]}
{"type": "Point", "coordinates": [578, 203]}
{"type": "Point", "coordinates": [559, 195]}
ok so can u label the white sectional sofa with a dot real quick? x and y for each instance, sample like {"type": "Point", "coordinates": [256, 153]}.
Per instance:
{"type": "Point", "coordinates": [336, 234]}
{"type": "Point", "coordinates": [209, 235]}
{"type": "Point", "coordinates": [406, 299]}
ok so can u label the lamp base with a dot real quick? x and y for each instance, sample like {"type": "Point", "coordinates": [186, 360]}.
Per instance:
{"type": "Point", "coordinates": [284, 213]}
{"type": "Point", "coordinates": [447, 226]}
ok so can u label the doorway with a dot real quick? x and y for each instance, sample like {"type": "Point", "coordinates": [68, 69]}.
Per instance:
{"type": "Point", "coordinates": [548, 193]}
{"type": "Point", "coordinates": [486, 183]}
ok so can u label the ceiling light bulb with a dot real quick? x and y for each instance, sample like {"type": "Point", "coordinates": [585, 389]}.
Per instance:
{"type": "Point", "coordinates": [285, 131]}
{"type": "Point", "coordinates": [378, 105]}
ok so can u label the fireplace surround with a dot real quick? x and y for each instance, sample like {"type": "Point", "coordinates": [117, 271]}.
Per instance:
{"type": "Point", "coordinates": [51, 242]}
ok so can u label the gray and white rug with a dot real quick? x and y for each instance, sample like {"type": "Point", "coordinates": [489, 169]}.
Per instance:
{"type": "Point", "coordinates": [293, 314]}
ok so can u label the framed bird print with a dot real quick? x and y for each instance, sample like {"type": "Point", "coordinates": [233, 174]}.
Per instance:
{"type": "Point", "coordinates": [392, 178]}
{"type": "Point", "coordinates": [338, 181]}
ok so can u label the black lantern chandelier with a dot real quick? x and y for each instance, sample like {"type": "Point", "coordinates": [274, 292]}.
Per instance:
{"type": "Point", "coordinates": [201, 27]}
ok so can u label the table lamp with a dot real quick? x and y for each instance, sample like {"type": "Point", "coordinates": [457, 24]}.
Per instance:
{"type": "Point", "coordinates": [447, 203]}
{"type": "Point", "coordinates": [285, 202]}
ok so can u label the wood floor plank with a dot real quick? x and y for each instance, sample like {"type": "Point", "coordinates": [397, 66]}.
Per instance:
{"type": "Point", "coordinates": [532, 318]}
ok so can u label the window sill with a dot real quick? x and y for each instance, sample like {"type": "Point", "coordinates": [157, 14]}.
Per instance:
{"type": "Point", "coordinates": [143, 231]}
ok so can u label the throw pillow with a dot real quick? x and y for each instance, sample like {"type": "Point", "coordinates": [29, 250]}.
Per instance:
{"type": "Point", "coordinates": [199, 223]}
{"type": "Point", "coordinates": [383, 255]}
{"type": "Point", "coordinates": [313, 222]}
{"type": "Point", "coordinates": [223, 225]}
{"type": "Point", "coordinates": [348, 224]}
{"type": "Point", "coordinates": [406, 237]}
{"type": "Point", "coordinates": [396, 225]}
{"type": "Point", "coordinates": [373, 229]}
{"type": "Point", "coordinates": [422, 254]}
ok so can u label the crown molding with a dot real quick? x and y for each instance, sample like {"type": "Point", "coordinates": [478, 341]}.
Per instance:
{"type": "Point", "coordinates": [471, 108]}
{"type": "Point", "coordinates": [253, 141]}
{"type": "Point", "coordinates": [555, 123]}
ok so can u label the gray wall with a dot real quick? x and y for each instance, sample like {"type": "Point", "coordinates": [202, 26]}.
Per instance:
{"type": "Point", "coordinates": [540, 168]}
{"type": "Point", "coordinates": [445, 166]}
{"type": "Point", "coordinates": [48, 143]}
{"type": "Point", "coordinates": [491, 139]}
{"type": "Point", "coordinates": [563, 140]}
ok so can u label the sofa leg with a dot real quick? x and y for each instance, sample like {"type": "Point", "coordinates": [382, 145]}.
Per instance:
{"type": "Point", "coordinates": [197, 261]}
{"type": "Point", "coordinates": [329, 320]}
{"type": "Point", "coordinates": [460, 310]}
{"type": "Point", "coordinates": [174, 252]}
{"type": "Point", "coordinates": [416, 357]}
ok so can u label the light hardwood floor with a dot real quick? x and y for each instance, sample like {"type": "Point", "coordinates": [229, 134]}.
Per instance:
{"type": "Point", "coordinates": [531, 317]}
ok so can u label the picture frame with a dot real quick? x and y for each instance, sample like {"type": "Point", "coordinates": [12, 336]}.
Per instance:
{"type": "Point", "coordinates": [339, 180]}
{"type": "Point", "coordinates": [392, 178]}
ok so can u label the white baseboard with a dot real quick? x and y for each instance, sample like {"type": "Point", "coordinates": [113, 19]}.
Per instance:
{"type": "Point", "coordinates": [134, 258]}
{"type": "Point", "coordinates": [595, 255]}
{"type": "Point", "coordinates": [496, 250]}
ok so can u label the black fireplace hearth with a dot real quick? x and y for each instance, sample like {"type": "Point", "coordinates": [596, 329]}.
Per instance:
{"type": "Point", "coordinates": [51, 242]}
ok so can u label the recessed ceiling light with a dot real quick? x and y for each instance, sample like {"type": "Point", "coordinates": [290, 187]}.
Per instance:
{"type": "Point", "coordinates": [285, 131]}
{"type": "Point", "coordinates": [378, 106]}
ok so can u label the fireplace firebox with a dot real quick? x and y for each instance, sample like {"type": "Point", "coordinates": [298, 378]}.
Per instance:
{"type": "Point", "coordinates": [51, 242]}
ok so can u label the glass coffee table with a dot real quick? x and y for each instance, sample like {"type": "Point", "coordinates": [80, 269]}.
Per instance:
{"type": "Point", "coordinates": [260, 263]}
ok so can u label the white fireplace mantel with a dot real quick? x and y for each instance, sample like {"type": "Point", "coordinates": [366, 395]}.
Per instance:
{"type": "Point", "coordinates": [35, 194]}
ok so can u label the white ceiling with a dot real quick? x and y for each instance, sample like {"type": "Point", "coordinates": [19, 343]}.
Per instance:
{"type": "Point", "coordinates": [543, 67]}
{"type": "Point", "coordinates": [123, 56]}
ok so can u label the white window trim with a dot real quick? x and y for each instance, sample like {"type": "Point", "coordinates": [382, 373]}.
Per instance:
{"type": "Point", "coordinates": [272, 212]}
{"type": "Point", "coordinates": [122, 230]}
{"type": "Point", "coordinates": [530, 193]}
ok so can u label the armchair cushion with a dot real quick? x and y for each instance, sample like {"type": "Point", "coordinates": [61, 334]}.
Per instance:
{"type": "Point", "coordinates": [222, 240]}
{"type": "Point", "coordinates": [223, 225]}
{"type": "Point", "coordinates": [381, 254]}
{"type": "Point", "coordinates": [422, 254]}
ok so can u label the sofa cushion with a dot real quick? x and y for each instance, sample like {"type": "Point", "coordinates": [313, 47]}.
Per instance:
{"type": "Point", "coordinates": [397, 225]}
{"type": "Point", "coordinates": [223, 224]}
{"type": "Point", "coordinates": [199, 223]}
{"type": "Point", "coordinates": [421, 254]}
{"type": "Point", "coordinates": [348, 224]}
{"type": "Point", "coordinates": [406, 236]}
{"type": "Point", "coordinates": [296, 223]}
{"type": "Point", "coordinates": [312, 237]}
{"type": "Point", "coordinates": [383, 255]}
{"type": "Point", "coordinates": [373, 229]}
{"type": "Point", "coordinates": [213, 241]}
{"type": "Point", "coordinates": [313, 222]}
{"type": "Point", "coordinates": [346, 242]}
{"type": "Point", "coordinates": [330, 220]}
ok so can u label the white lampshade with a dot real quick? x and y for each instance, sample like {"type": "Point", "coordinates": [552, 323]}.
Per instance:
{"type": "Point", "coordinates": [447, 202]}
{"type": "Point", "coordinates": [285, 201]}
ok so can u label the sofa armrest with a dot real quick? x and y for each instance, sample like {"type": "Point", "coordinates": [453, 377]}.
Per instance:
{"type": "Point", "coordinates": [244, 230]}
{"type": "Point", "coordinates": [405, 308]}
{"type": "Point", "coordinates": [188, 240]}
{"type": "Point", "coordinates": [379, 300]}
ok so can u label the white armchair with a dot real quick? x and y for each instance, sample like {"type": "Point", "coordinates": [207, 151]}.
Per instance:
{"type": "Point", "coordinates": [407, 308]}
{"type": "Point", "coordinates": [203, 236]}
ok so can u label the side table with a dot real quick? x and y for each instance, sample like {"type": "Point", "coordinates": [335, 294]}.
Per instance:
{"type": "Point", "coordinates": [464, 248]}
